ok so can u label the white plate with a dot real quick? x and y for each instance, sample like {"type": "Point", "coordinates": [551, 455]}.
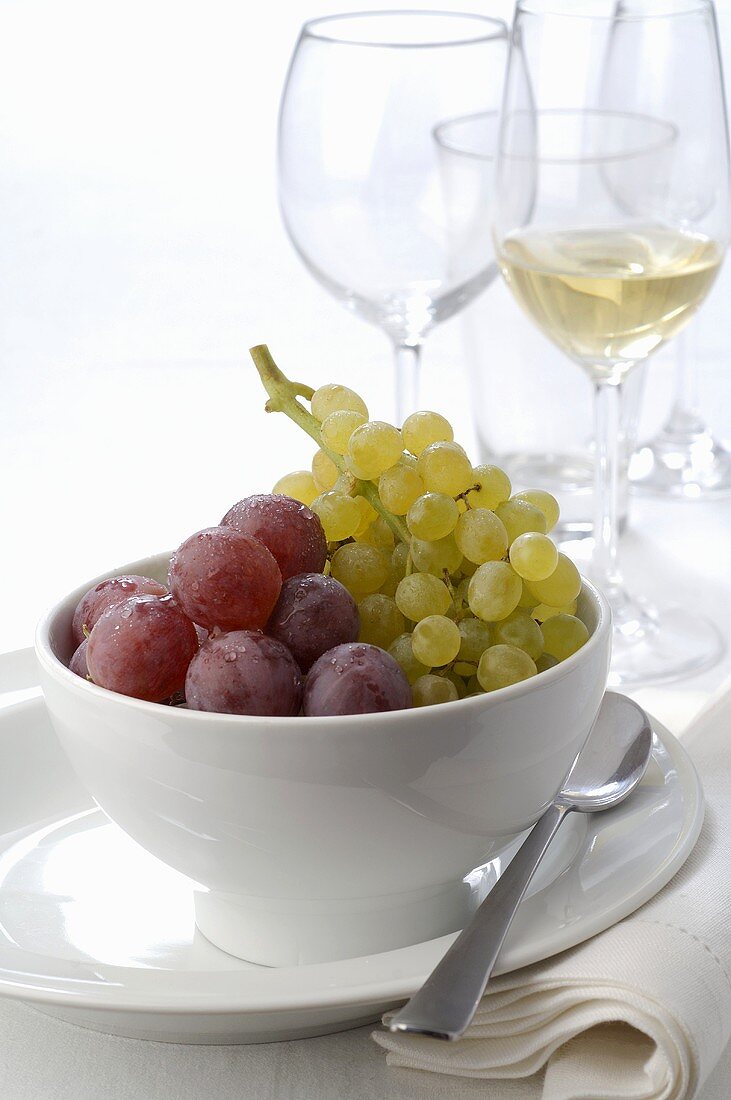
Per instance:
{"type": "Point", "coordinates": [96, 931]}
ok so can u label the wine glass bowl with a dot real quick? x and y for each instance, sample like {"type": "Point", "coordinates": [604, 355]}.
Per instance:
{"type": "Point", "coordinates": [609, 283]}
{"type": "Point", "coordinates": [626, 149]}
{"type": "Point", "coordinates": [359, 181]}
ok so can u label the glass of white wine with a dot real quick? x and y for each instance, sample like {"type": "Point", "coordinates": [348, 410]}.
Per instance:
{"type": "Point", "coordinates": [622, 242]}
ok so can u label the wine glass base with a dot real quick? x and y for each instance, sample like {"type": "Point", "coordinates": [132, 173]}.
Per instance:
{"type": "Point", "coordinates": [695, 469]}
{"type": "Point", "coordinates": [652, 646]}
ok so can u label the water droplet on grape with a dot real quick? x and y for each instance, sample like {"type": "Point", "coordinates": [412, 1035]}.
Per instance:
{"type": "Point", "coordinates": [355, 679]}
{"type": "Point", "coordinates": [214, 684]}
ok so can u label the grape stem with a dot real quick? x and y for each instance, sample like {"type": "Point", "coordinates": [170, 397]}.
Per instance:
{"type": "Point", "coordinates": [283, 396]}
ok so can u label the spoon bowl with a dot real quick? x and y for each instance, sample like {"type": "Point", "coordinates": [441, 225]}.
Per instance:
{"type": "Point", "coordinates": [613, 760]}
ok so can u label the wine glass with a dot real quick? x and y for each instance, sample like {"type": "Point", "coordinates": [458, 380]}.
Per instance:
{"type": "Point", "coordinates": [359, 180]}
{"type": "Point", "coordinates": [684, 460]}
{"type": "Point", "coordinates": [617, 113]}
{"type": "Point", "coordinates": [544, 440]}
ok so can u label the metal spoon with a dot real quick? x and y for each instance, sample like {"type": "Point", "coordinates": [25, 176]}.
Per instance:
{"type": "Point", "coordinates": [608, 768]}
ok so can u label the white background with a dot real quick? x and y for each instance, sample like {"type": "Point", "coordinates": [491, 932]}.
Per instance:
{"type": "Point", "coordinates": [141, 253]}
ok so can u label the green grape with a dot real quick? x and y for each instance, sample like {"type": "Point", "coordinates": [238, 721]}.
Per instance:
{"type": "Point", "coordinates": [561, 587]}
{"type": "Point", "coordinates": [546, 661]}
{"type": "Point", "coordinates": [435, 640]}
{"type": "Point", "coordinates": [333, 398]}
{"type": "Point", "coordinates": [436, 557]}
{"type": "Point", "coordinates": [520, 516]}
{"type": "Point", "coordinates": [338, 514]}
{"type": "Point", "coordinates": [521, 631]}
{"type": "Point", "coordinates": [429, 690]}
{"type": "Point", "coordinates": [377, 533]}
{"type": "Point", "coordinates": [300, 485]}
{"type": "Point", "coordinates": [423, 428]}
{"type": "Point", "coordinates": [338, 427]}
{"type": "Point", "coordinates": [396, 569]}
{"type": "Point", "coordinates": [468, 567]}
{"type": "Point", "coordinates": [381, 622]}
{"type": "Point", "coordinates": [533, 557]}
{"type": "Point", "coordinates": [460, 594]}
{"type": "Point", "coordinates": [367, 514]}
{"type": "Point", "coordinates": [445, 468]}
{"type": "Point", "coordinates": [527, 600]}
{"type": "Point", "coordinates": [481, 536]}
{"type": "Point", "coordinates": [474, 687]}
{"type": "Point", "coordinates": [544, 501]}
{"type": "Point", "coordinates": [422, 594]}
{"type": "Point", "coordinates": [457, 681]}
{"type": "Point", "coordinates": [502, 665]}
{"type": "Point", "coordinates": [453, 677]}
{"type": "Point", "coordinates": [389, 586]}
{"type": "Point", "coordinates": [373, 448]}
{"type": "Point", "coordinates": [399, 558]}
{"type": "Point", "coordinates": [492, 487]}
{"type": "Point", "coordinates": [432, 516]}
{"type": "Point", "coordinates": [399, 487]}
{"type": "Point", "coordinates": [475, 637]}
{"type": "Point", "coordinates": [494, 591]}
{"type": "Point", "coordinates": [344, 485]}
{"type": "Point", "coordinates": [465, 669]}
{"type": "Point", "coordinates": [402, 651]}
{"type": "Point", "coordinates": [543, 611]}
{"type": "Point", "coordinates": [564, 635]}
{"type": "Point", "coordinates": [324, 471]}
{"type": "Point", "coordinates": [361, 568]}
{"type": "Point", "coordinates": [356, 471]}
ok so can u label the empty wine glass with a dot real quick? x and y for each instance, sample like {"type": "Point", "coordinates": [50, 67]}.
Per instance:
{"type": "Point", "coordinates": [359, 182]}
{"type": "Point", "coordinates": [627, 146]}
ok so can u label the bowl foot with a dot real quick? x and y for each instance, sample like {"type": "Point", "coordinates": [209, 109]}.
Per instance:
{"type": "Point", "coordinates": [291, 932]}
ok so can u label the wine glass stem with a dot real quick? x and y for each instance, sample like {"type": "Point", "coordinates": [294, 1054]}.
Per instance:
{"type": "Point", "coordinates": [407, 362]}
{"type": "Point", "coordinates": [607, 409]}
{"type": "Point", "coordinates": [684, 421]}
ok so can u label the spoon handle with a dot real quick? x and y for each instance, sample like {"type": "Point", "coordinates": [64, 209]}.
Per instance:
{"type": "Point", "coordinates": [446, 1003]}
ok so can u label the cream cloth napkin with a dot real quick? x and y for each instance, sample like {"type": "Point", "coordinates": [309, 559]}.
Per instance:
{"type": "Point", "coordinates": [643, 1010]}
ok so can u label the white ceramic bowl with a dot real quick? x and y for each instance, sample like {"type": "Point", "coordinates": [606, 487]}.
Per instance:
{"type": "Point", "coordinates": [324, 838]}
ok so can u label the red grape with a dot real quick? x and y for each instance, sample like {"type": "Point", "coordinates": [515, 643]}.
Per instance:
{"type": "Point", "coordinates": [224, 578]}
{"type": "Point", "coordinates": [78, 663]}
{"type": "Point", "coordinates": [244, 672]}
{"type": "Point", "coordinates": [313, 613]}
{"type": "Point", "coordinates": [355, 678]}
{"type": "Point", "coordinates": [107, 594]}
{"type": "Point", "coordinates": [142, 648]}
{"type": "Point", "coordinates": [292, 533]}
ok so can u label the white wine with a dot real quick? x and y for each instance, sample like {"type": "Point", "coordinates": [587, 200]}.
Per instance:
{"type": "Point", "coordinates": [609, 297]}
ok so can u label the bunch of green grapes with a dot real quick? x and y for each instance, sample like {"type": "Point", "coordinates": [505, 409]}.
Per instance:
{"type": "Point", "coordinates": [454, 575]}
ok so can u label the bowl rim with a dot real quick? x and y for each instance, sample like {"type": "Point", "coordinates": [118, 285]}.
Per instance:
{"type": "Point", "coordinates": [55, 667]}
